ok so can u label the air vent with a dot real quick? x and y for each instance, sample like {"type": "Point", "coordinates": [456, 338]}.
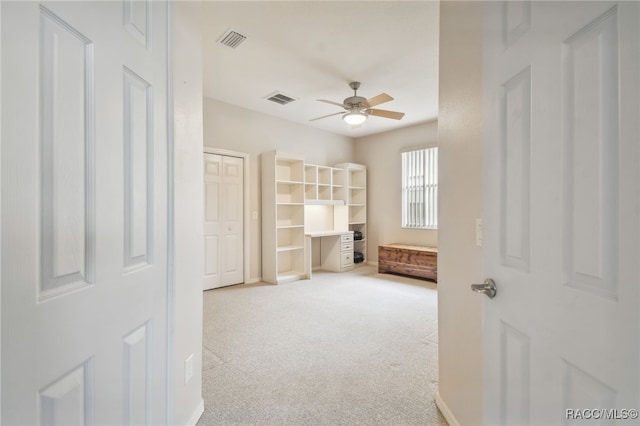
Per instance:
{"type": "Point", "coordinates": [279, 98]}
{"type": "Point", "coordinates": [232, 39]}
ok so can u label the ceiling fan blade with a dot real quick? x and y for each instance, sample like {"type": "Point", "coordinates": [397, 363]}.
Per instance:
{"type": "Point", "coordinates": [377, 100]}
{"type": "Point", "coordinates": [386, 114]}
{"type": "Point", "coordinates": [325, 116]}
{"type": "Point", "coordinates": [331, 102]}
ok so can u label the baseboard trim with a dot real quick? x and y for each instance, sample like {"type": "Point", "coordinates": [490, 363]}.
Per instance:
{"type": "Point", "coordinates": [253, 280]}
{"type": "Point", "coordinates": [446, 412]}
{"type": "Point", "coordinates": [197, 414]}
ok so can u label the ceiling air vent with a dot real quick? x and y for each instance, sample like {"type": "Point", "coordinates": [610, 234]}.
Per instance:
{"type": "Point", "coordinates": [279, 98]}
{"type": "Point", "coordinates": [232, 39]}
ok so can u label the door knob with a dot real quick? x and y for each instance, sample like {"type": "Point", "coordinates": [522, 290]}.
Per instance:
{"type": "Point", "coordinates": [489, 288]}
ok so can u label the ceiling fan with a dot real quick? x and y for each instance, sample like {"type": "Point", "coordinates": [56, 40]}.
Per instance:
{"type": "Point", "coordinates": [358, 109]}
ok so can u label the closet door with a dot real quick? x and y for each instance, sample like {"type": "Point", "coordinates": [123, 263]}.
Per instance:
{"type": "Point", "coordinates": [223, 224]}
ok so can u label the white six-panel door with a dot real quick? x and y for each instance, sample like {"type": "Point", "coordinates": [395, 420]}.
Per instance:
{"type": "Point", "coordinates": [84, 212]}
{"type": "Point", "coordinates": [224, 220]}
{"type": "Point", "coordinates": [562, 212]}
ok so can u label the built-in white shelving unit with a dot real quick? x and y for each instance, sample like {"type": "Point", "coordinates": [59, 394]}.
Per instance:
{"type": "Point", "coordinates": [354, 178]}
{"type": "Point", "coordinates": [283, 197]}
{"type": "Point", "coordinates": [288, 184]}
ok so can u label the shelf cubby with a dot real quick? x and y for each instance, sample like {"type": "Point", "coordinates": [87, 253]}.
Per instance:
{"type": "Point", "coordinates": [290, 238]}
{"type": "Point", "coordinates": [324, 175]}
{"type": "Point", "coordinates": [289, 170]}
{"type": "Point", "coordinates": [357, 214]}
{"type": "Point", "coordinates": [310, 174]}
{"type": "Point", "coordinates": [324, 192]}
{"type": "Point", "coordinates": [290, 264]}
{"type": "Point", "coordinates": [310, 191]}
{"type": "Point", "coordinates": [358, 196]}
{"type": "Point", "coordinates": [290, 215]}
{"type": "Point", "coordinates": [289, 193]}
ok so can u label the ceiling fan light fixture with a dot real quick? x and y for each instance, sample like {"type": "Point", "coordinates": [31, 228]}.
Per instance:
{"type": "Point", "coordinates": [354, 118]}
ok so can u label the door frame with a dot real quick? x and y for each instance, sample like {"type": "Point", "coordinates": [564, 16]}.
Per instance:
{"type": "Point", "coordinates": [0, 214]}
{"type": "Point", "coordinates": [245, 210]}
{"type": "Point", "coordinates": [171, 218]}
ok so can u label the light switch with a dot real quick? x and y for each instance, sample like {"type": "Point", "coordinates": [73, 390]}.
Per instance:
{"type": "Point", "coordinates": [479, 232]}
{"type": "Point", "coordinates": [254, 215]}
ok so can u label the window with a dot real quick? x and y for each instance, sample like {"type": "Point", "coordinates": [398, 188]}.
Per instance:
{"type": "Point", "coordinates": [420, 189]}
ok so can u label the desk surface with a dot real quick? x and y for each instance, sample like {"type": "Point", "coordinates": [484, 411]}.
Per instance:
{"type": "Point", "coordinates": [326, 233]}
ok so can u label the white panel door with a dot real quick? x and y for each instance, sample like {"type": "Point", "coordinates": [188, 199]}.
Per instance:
{"type": "Point", "coordinates": [561, 212]}
{"type": "Point", "coordinates": [84, 213]}
{"type": "Point", "coordinates": [224, 223]}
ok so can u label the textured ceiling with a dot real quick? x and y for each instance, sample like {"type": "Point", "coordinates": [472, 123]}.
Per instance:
{"type": "Point", "coordinates": [311, 50]}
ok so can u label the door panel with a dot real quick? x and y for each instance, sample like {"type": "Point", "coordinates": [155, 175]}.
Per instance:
{"type": "Point", "coordinates": [212, 225]}
{"type": "Point", "coordinates": [138, 169]}
{"type": "Point", "coordinates": [233, 257]}
{"type": "Point", "coordinates": [67, 198]}
{"type": "Point", "coordinates": [84, 214]}
{"type": "Point", "coordinates": [211, 261]}
{"type": "Point", "coordinates": [561, 209]}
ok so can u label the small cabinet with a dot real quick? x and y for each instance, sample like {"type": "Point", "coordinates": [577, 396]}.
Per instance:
{"type": "Point", "coordinates": [346, 250]}
{"type": "Point", "coordinates": [336, 251]}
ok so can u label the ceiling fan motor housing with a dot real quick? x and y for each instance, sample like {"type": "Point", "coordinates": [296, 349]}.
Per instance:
{"type": "Point", "coordinates": [357, 102]}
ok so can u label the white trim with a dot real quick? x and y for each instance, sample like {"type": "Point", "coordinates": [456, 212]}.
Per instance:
{"type": "Point", "coordinates": [446, 412]}
{"type": "Point", "coordinates": [196, 414]}
{"type": "Point", "coordinates": [0, 217]}
{"type": "Point", "coordinates": [253, 280]}
{"type": "Point", "coordinates": [171, 278]}
{"type": "Point", "coordinates": [247, 219]}
{"type": "Point", "coordinates": [371, 262]}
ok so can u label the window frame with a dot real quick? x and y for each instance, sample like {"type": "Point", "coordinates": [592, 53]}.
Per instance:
{"type": "Point", "coordinates": [419, 179]}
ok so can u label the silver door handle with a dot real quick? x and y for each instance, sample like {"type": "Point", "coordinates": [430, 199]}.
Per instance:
{"type": "Point", "coordinates": [489, 288]}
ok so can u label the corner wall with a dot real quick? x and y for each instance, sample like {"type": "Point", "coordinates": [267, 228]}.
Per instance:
{"type": "Point", "coordinates": [381, 154]}
{"type": "Point", "coordinates": [460, 203]}
{"type": "Point", "coordinates": [239, 129]}
{"type": "Point", "coordinates": [188, 255]}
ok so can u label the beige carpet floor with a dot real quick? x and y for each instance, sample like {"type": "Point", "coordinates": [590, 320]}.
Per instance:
{"type": "Point", "coordinates": [355, 348]}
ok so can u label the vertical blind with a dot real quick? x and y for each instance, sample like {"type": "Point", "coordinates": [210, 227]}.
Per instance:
{"type": "Point", "coordinates": [420, 188]}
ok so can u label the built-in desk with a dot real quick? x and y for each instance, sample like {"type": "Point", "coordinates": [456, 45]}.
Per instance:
{"type": "Point", "coordinates": [336, 251]}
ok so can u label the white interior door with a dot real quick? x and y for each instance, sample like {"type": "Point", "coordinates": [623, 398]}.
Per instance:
{"type": "Point", "coordinates": [561, 212]}
{"type": "Point", "coordinates": [84, 213]}
{"type": "Point", "coordinates": [224, 224]}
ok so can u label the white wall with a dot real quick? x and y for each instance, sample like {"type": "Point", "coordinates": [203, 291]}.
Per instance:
{"type": "Point", "coordinates": [188, 255]}
{"type": "Point", "coordinates": [239, 129]}
{"type": "Point", "coordinates": [460, 190]}
{"type": "Point", "coordinates": [381, 154]}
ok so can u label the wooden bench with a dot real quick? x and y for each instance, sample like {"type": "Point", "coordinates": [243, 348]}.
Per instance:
{"type": "Point", "coordinates": [414, 261]}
